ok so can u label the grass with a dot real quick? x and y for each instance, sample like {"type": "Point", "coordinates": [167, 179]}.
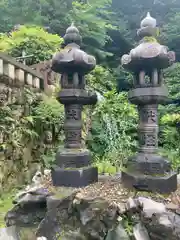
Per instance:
{"type": "Point", "coordinates": [106, 167]}
{"type": "Point", "coordinates": [5, 205]}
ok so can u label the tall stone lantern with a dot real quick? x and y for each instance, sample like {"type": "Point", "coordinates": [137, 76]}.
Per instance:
{"type": "Point", "coordinates": [148, 170]}
{"type": "Point", "coordinates": [73, 163]}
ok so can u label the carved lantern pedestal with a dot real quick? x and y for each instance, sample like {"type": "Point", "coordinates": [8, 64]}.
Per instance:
{"type": "Point", "coordinates": [73, 163]}
{"type": "Point", "coordinates": [147, 170]}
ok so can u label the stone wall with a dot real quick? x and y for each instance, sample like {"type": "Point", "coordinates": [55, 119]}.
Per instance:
{"type": "Point", "coordinates": [17, 82]}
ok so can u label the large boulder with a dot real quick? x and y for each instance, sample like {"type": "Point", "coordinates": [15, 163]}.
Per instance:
{"type": "Point", "coordinates": [74, 216]}
{"type": "Point", "coordinates": [161, 224]}
{"type": "Point", "coordinates": [29, 207]}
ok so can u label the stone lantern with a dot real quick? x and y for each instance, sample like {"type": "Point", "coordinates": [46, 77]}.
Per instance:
{"type": "Point", "coordinates": [148, 170]}
{"type": "Point", "coordinates": [73, 162]}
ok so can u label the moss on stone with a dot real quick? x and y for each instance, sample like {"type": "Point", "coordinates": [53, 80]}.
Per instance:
{"type": "Point", "coordinates": [150, 39]}
{"type": "Point", "coordinates": [63, 193]}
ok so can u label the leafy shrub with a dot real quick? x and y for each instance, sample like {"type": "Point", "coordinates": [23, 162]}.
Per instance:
{"type": "Point", "coordinates": [24, 144]}
{"type": "Point", "coordinates": [170, 117]}
{"type": "Point", "coordinates": [33, 40]}
{"type": "Point", "coordinates": [113, 134]}
{"type": "Point", "coordinates": [105, 166]}
{"type": "Point", "coordinates": [170, 138]}
{"type": "Point", "coordinates": [101, 79]}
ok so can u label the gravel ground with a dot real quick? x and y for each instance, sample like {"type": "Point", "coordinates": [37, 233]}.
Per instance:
{"type": "Point", "coordinates": [112, 190]}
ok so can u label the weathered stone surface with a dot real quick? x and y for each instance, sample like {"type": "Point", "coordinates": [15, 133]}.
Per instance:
{"type": "Point", "coordinates": [70, 235]}
{"type": "Point", "coordinates": [160, 223]}
{"type": "Point", "coordinates": [27, 233]}
{"type": "Point", "coordinates": [132, 205]}
{"type": "Point", "coordinates": [41, 238]}
{"type": "Point", "coordinates": [58, 218]}
{"type": "Point", "coordinates": [166, 226]}
{"type": "Point", "coordinates": [9, 233]}
{"type": "Point", "coordinates": [172, 207]}
{"type": "Point", "coordinates": [32, 195]}
{"type": "Point", "coordinates": [118, 233]}
{"type": "Point", "coordinates": [91, 218]}
{"type": "Point", "coordinates": [178, 178]}
{"type": "Point", "coordinates": [73, 236]}
{"type": "Point", "coordinates": [150, 207]}
{"type": "Point", "coordinates": [140, 232]}
{"type": "Point", "coordinates": [29, 208]}
{"type": "Point", "coordinates": [17, 233]}
{"type": "Point", "coordinates": [97, 210]}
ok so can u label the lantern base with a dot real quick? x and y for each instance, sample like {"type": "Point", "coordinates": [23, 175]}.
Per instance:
{"type": "Point", "coordinates": [77, 177]}
{"type": "Point", "coordinates": [73, 158]}
{"type": "Point", "coordinates": [149, 164]}
{"type": "Point", "coordinates": [161, 184]}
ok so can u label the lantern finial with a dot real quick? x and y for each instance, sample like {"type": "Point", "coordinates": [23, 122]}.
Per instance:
{"type": "Point", "coordinates": [148, 21]}
{"type": "Point", "coordinates": [72, 35]}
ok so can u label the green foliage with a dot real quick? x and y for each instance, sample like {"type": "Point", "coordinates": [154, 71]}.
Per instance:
{"type": "Point", "coordinates": [16, 128]}
{"type": "Point", "coordinates": [47, 159]}
{"type": "Point", "coordinates": [171, 33]}
{"type": "Point", "coordinates": [105, 166]}
{"type": "Point", "coordinates": [5, 204]}
{"type": "Point", "coordinates": [18, 12]}
{"type": "Point", "coordinates": [101, 79]}
{"type": "Point", "coordinates": [48, 116]}
{"type": "Point", "coordinates": [114, 129]}
{"type": "Point", "coordinates": [170, 138]}
{"type": "Point", "coordinates": [128, 224]}
{"type": "Point", "coordinates": [51, 13]}
{"type": "Point", "coordinates": [24, 136]}
{"type": "Point", "coordinates": [33, 40]}
{"type": "Point", "coordinates": [172, 76]}
{"type": "Point", "coordinates": [170, 118]}
{"type": "Point", "coordinates": [123, 78]}
{"type": "Point", "coordinates": [55, 15]}
{"type": "Point", "coordinates": [48, 112]}
{"type": "Point", "coordinates": [93, 19]}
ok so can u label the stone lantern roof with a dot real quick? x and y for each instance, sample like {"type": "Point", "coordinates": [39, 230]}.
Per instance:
{"type": "Point", "coordinates": [149, 54]}
{"type": "Point", "coordinates": [72, 58]}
